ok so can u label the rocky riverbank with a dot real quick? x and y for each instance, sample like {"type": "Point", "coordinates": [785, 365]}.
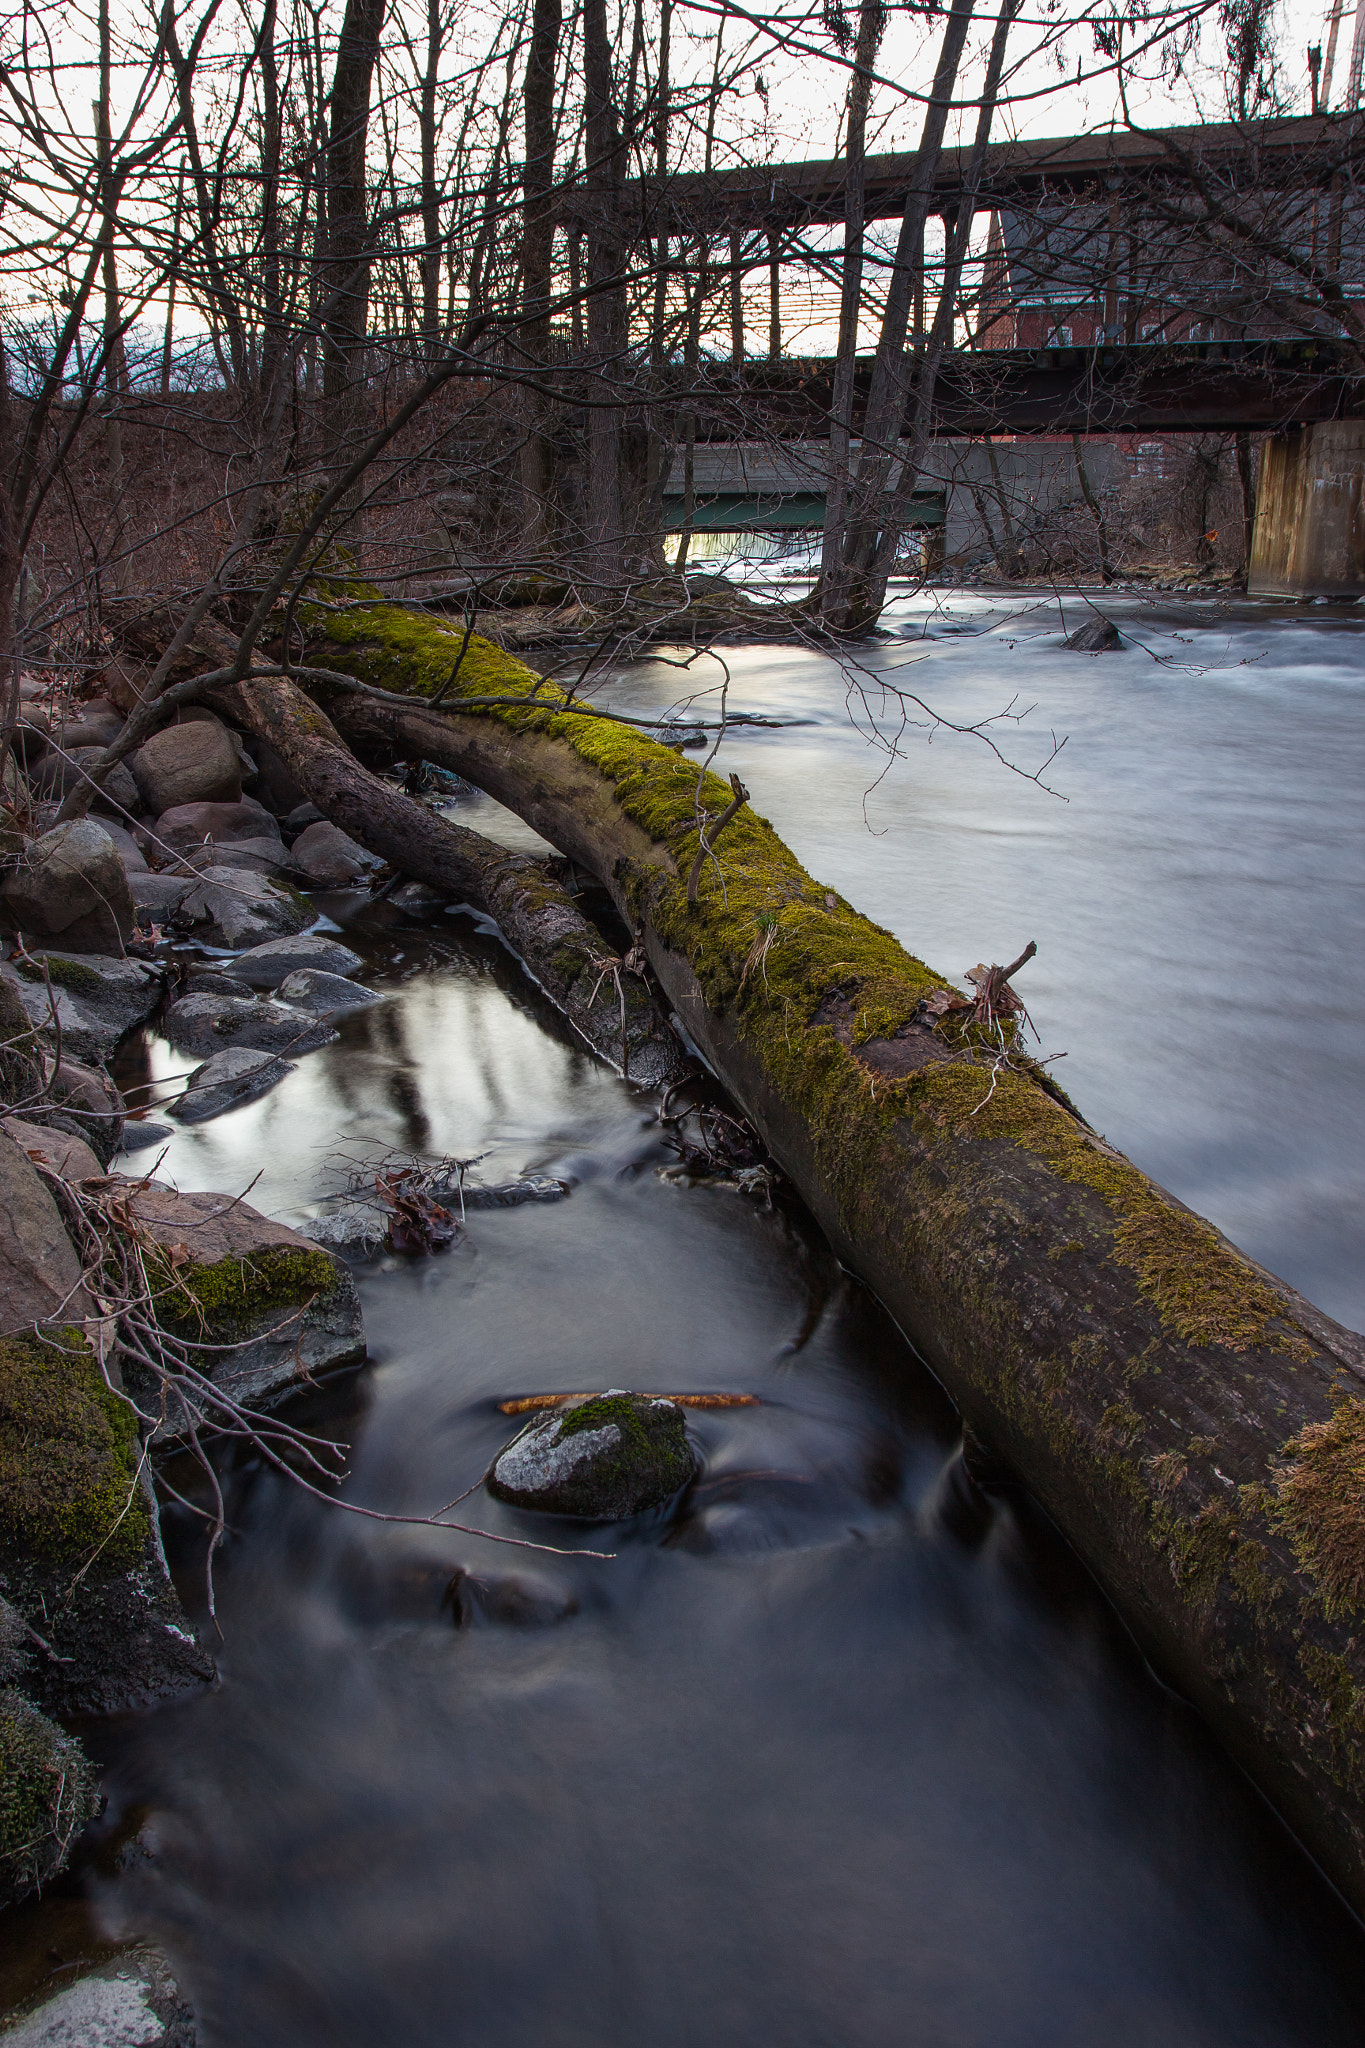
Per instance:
{"type": "Point", "coordinates": [135, 1315]}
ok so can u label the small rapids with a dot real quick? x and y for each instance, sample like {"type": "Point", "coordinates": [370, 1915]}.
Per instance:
{"type": "Point", "coordinates": [839, 1750]}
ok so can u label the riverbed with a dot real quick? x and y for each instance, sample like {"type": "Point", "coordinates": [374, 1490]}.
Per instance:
{"type": "Point", "coordinates": [841, 1752]}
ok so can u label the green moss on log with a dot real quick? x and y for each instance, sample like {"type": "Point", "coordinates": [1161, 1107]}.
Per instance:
{"type": "Point", "coordinates": [68, 1455]}
{"type": "Point", "coordinates": [1320, 1504]}
{"type": "Point", "coordinates": [769, 944]}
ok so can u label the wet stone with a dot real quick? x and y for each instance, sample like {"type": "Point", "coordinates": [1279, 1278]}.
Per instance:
{"type": "Point", "coordinates": [267, 966]}
{"type": "Point", "coordinates": [131, 2002]}
{"type": "Point", "coordinates": [227, 1081]}
{"type": "Point", "coordinates": [602, 1459]}
{"type": "Point", "coordinates": [138, 1134]}
{"type": "Point", "coordinates": [98, 998]}
{"type": "Point", "coordinates": [329, 858]}
{"type": "Point", "coordinates": [204, 1022]}
{"type": "Point", "coordinates": [1096, 636]}
{"type": "Point", "coordinates": [231, 907]}
{"type": "Point", "coordinates": [324, 995]}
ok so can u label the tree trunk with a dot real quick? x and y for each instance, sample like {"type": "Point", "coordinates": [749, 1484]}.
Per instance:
{"type": "Point", "coordinates": [347, 269]}
{"type": "Point", "coordinates": [606, 306]}
{"type": "Point", "coordinates": [537, 250]}
{"type": "Point", "coordinates": [1195, 1427]}
{"type": "Point", "coordinates": [892, 367]}
{"type": "Point", "coordinates": [871, 23]}
{"type": "Point", "coordinates": [431, 204]}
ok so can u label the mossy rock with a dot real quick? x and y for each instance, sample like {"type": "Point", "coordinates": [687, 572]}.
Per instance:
{"type": "Point", "coordinates": [602, 1459]}
{"type": "Point", "coordinates": [47, 1794]}
{"type": "Point", "coordinates": [68, 1456]}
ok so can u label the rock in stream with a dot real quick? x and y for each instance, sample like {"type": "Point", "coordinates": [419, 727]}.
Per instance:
{"type": "Point", "coordinates": [602, 1459]}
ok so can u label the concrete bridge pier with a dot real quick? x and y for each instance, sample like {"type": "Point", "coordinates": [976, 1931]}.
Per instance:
{"type": "Point", "coordinates": [1309, 537]}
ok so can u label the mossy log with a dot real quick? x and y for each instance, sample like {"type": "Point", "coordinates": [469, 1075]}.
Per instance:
{"type": "Point", "coordinates": [1194, 1426]}
{"type": "Point", "coordinates": [540, 921]}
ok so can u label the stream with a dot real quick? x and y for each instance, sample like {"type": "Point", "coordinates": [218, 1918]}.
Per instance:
{"type": "Point", "coordinates": [839, 1752]}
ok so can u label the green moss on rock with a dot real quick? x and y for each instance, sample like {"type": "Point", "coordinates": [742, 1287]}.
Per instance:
{"type": "Point", "coordinates": [68, 1456]}
{"type": "Point", "coordinates": [47, 1794]}
{"type": "Point", "coordinates": [73, 975]}
{"type": "Point", "coordinates": [639, 1458]}
{"type": "Point", "coordinates": [234, 1293]}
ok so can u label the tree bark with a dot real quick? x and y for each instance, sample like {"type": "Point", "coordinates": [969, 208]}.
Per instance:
{"type": "Point", "coordinates": [1194, 1426]}
{"type": "Point", "coordinates": [607, 324]}
{"type": "Point", "coordinates": [871, 25]}
{"type": "Point", "coordinates": [892, 365]}
{"type": "Point", "coordinates": [537, 249]}
{"type": "Point", "coordinates": [347, 270]}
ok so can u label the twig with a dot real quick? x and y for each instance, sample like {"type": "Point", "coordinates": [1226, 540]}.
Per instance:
{"type": "Point", "coordinates": [711, 833]}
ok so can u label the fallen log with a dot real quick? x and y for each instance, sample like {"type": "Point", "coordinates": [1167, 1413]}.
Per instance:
{"type": "Point", "coordinates": [605, 1000]}
{"type": "Point", "coordinates": [1195, 1427]}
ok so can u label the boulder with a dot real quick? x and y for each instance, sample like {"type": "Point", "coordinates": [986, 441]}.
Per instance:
{"type": "Point", "coordinates": [21, 1050]}
{"type": "Point", "coordinates": [98, 707]}
{"type": "Point", "coordinates": [65, 1154]}
{"type": "Point", "coordinates": [300, 818]}
{"type": "Point", "coordinates": [126, 847]}
{"type": "Point", "coordinates": [289, 1307]}
{"type": "Point", "coordinates": [230, 907]}
{"type": "Point", "coordinates": [256, 856]}
{"type": "Point", "coordinates": [523, 1600]}
{"type": "Point", "coordinates": [602, 1459]}
{"type": "Point", "coordinates": [227, 1081]}
{"type": "Point", "coordinates": [98, 998]}
{"type": "Point", "coordinates": [138, 1135]}
{"type": "Point", "coordinates": [83, 1102]}
{"type": "Point", "coordinates": [329, 858]}
{"type": "Point", "coordinates": [216, 981]}
{"type": "Point", "coordinates": [132, 2001]}
{"type": "Point", "coordinates": [58, 774]}
{"type": "Point", "coordinates": [417, 898]}
{"type": "Point", "coordinates": [1096, 636]}
{"type": "Point", "coordinates": [157, 898]}
{"type": "Point", "coordinates": [324, 995]}
{"type": "Point", "coordinates": [199, 714]}
{"type": "Point", "coordinates": [203, 1023]}
{"type": "Point", "coordinates": [188, 764]}
{"type": "Point", "coordinates": [191, 824]}
{"type": "Point", "coordinates": [40, 1272]}
{"type": "Point", "coordinates": [266, 966]}
{"type": "Point", "coordinates": [48, 1791]}
{"type": "Point", "coordinates": [72, 886]}
{"type": "Point", "coordinates": [79, 1553]}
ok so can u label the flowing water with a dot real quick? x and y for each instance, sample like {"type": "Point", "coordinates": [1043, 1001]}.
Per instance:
{"type": "Point", "coordinates": [840, 1753]}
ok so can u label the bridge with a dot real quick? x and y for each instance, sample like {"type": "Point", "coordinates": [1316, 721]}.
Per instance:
{"type": "Point", "coordinates": [1296, 154]}
{"type": "Point", "coordinates": [1111, 388]}
{"type": "Point", "coordinates": [1096, 223]}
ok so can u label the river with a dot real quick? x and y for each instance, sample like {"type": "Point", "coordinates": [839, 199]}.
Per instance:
{"type": "Point", "coordinates": [843, 1753]}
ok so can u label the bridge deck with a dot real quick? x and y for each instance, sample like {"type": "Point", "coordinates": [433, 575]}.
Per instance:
{"type": "Point", "coordinates": [1145, 388]}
